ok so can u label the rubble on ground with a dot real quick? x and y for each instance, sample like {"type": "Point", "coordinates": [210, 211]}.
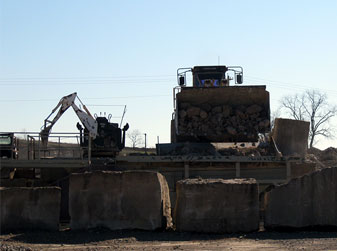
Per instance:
{"type": "Point", "coordinates": [234, 150]}
{"type": "Point", "coordinates": [6, 247]}
{"type": "Point", "coordinates": [247, 151]}
{"type": "Point", "coordinates": [322, 158]}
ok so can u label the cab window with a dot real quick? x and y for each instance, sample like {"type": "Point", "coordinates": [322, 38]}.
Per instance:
{"type": "Point", "coordinates": [5, 140]}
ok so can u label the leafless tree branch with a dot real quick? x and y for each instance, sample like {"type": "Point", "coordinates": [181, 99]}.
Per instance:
{"type": "Point", "coordinates": [135, 137]}
{"type": "Point", "coordinates": [311, 106]}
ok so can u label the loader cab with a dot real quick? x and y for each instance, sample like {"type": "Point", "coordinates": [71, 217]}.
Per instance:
{"type": "Point", "coordinates": [205, 76]}
{"type": "Point", "coordinates": [211, 76]}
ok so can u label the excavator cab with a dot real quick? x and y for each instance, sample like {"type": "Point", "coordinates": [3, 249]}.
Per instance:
{"type": "Point", "coordinates": [109, 141]}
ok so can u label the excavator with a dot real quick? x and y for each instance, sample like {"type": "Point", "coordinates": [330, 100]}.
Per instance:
{"type": "Point", "coordinates": [106, 137]}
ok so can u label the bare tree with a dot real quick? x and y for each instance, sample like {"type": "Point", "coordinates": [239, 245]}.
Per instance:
{"type": "Point", "coordinates": [135, 137]}
{"type": "Point", "coordinates": [311, 106]}
{"type": "Point", "coordinates": [23, 134]}
{"type": "Point", "coordinates": [294, 106]}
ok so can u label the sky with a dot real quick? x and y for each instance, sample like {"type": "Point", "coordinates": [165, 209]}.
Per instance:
{"type": "Point", "coordinates": [116, 53]}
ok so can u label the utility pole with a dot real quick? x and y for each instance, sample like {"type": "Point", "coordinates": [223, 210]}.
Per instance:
{"type": "Point", "coordinates": [145, 143]}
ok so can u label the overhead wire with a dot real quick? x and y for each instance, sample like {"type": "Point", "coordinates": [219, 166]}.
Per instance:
{"type": "Point", "coordinates": [87, 77]}
{"type": "Point", "coordinates": [110, 82]}
{"type": "Point", "coordinates": [103, 105]}
{"type": "Point", "coordinates": [131, 80]}
{"type": "Point", "coordinates": [86, 80]}
{"type": "Point", "coordinates": [146, 79]}
{"type": "Point", "coordinates": [97, 98]}
{"type": "Point", "coordinates": [282, 85]}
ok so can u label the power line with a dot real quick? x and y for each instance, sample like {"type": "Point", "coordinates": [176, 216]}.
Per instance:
{"type": "Point", "coordinates": [287, 85]}
{"type": "Point", "coordinates": [130, 80]}
{"type": "Point", "coordinates": [120, 97]}
{"type": "Point", "coordinates": [145, 96]}
{"type": "Point", "coordinates": [89, 80]}
{"type": "Point", "coordinates": [139, 80]}
{"type": "Point", "coordinates": [105, 105]}
{"type": "Point", "coordinates": [290, 84]}
{"type": "Point", "coordinates": [119, 82]}
{"type": "Point", "coordinates": [83, 80]}
{"type": "Point", "coordinates": [87, 77]}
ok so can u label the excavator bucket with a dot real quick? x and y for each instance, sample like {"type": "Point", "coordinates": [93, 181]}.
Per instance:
{"type": "Point", "coordinates": [221, 114]}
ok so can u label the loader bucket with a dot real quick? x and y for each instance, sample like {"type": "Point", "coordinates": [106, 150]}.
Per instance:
{"type": "Point", "coordinates": [221, 114]}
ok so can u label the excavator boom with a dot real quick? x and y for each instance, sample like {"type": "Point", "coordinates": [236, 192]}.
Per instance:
{"type": "Point", "coordinates": [68, 101]}
{"type": "Point", "coordinates": [107, 138]}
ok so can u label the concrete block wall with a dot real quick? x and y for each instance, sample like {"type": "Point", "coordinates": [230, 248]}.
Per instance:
{"type": "Point", "coordinates": [291, 136]}
{"type": "Point", "coordinates": [141, 200]}
{"type": "Point", "coordinates": [24, 208]}
{"type": "Point", "coordinates": [119, 200]}
{"type": "Point", "coordinates": [307, 201]}
{"type": "Point", "coordinates": [217, 205]}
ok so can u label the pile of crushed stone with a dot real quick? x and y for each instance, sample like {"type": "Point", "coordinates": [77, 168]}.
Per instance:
{"type": "Point", "coordinates": [323, 158]}
{"type": "Point", "coordinates": [5, 247]}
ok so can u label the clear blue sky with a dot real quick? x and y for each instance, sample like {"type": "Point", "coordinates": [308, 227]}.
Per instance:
{"type": "Point", "coordinates": [127, 53]}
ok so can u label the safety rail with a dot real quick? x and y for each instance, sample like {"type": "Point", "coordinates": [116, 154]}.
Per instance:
{"type": "Point", "coordinates": [60, 146]}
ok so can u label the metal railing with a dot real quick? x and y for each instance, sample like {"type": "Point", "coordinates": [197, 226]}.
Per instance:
{"type": "Point", "coordinates": [59, 146]}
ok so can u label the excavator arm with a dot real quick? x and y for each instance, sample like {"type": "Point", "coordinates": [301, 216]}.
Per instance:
{"type": "Point", "coordinates": [85, 117]}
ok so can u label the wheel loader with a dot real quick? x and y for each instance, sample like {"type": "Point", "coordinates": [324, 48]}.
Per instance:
{"type": "Point", "coordinates": [211, 110]}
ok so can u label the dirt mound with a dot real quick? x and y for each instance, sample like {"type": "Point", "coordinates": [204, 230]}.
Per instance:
{"type": "Point", "coordinates": [315, 151]}
{"type": "Point", "coordinates": [329, 154]}
{"type": "Point", "coordinates": [327, 157]}
{"type": "Point", "coordinates": [247, 151]}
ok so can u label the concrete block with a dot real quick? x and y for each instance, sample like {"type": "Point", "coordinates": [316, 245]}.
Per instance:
{"type": "Point", "coordinates": [217, 205]}
{"type": "Point", "coordinates": [310, 200]}
{"type": "Point", "coordinates": [291, 136]}
{"type": "Point", "coordinates": [24, 208]}
{"type": "Point", "coordinates": [300, 169]}
{"type": "Point", "coordinates": [119, 200]}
